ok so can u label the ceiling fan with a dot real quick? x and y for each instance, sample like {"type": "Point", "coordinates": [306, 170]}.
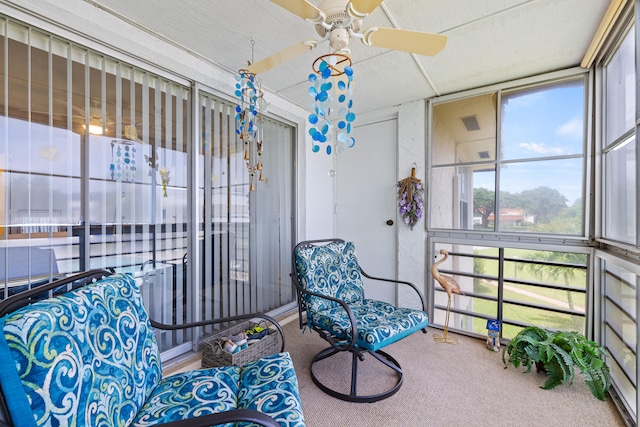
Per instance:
{"type": "Point", "coordinates": [78, 113]}
{"type": "Point", "coordinates": [93, 116]}
{"type": "Point", "coordinates": [337, 21]}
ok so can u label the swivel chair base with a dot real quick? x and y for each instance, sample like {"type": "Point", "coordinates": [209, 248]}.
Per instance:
{"type": "Point", "coordinates": [357, 355]}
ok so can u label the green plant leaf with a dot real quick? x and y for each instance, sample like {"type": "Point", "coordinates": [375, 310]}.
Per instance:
{"type": "Point", "coordinates": [560, 353]}
{"type": "Point", "coordinates": [564, 361]}
{"type": "Point", "coordinates": [555, 374]}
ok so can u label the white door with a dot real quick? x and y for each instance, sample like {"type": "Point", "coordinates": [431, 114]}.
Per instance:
{"type": "Point", "coordinates": [366, 202]}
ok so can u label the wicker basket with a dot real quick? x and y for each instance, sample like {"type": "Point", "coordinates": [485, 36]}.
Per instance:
{"type": "Point", "coordinates": [213, 355]}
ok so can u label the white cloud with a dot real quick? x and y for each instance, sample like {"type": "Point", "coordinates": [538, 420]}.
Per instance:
{"type": "Point", "coordinates": [525, 100]}
{"type": "Point", "coordinates": [540, 148]}
{"type": "Point", "coordinates": [573, 128]}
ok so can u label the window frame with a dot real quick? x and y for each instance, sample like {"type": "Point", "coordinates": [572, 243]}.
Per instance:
{"type": "Point", "coordinates": [499, 90]}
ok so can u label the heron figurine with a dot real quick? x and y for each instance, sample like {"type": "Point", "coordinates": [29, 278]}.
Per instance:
{"type": "Point", "coordinates": [451, 287]}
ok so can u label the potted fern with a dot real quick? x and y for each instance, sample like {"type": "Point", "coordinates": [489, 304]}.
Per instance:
{"type": "Point", "coordinates": [558, 353]}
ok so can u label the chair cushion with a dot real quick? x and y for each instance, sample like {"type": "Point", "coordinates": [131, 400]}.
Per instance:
{"type": "Point", "coordinates": [332, 270]}
{"type": "Point", "coordinates": [86, 357]}
{"type": "Point", "coordinates": [190, 394]}
{"type": "Point", "coordinates": [270, 385]}
{"type": "Point", "coordinates": [379, 323]}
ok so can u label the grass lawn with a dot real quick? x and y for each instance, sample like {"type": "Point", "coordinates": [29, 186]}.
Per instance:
{"type": "Point", "coordinates": [528, 294]}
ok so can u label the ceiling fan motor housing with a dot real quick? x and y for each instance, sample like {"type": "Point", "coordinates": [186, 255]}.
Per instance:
{"type": "Point", "coordinates": [337, 22]}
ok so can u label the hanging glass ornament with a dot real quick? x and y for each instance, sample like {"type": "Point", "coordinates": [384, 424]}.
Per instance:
{"type": "Point", "coordinates": [331, 87]}
{"type": "Point", "coordinates": [123, 160]}
{"type": "Point", "coordinates": [249, 126]}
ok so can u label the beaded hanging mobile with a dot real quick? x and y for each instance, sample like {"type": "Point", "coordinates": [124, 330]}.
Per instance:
{"type": "Point", "coordinates": [249, 122]}
{"type": "Point", "coordinates": [123, 156]}
{"type": "Point", "coordinates": [331, 89]}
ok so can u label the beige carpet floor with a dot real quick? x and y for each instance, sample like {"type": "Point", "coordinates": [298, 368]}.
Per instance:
{"type": "Point", "coordinates": [444, 385]}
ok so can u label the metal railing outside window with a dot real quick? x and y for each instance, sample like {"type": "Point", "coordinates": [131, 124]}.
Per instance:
{"type": "Point", "coordinates": [517, 287]}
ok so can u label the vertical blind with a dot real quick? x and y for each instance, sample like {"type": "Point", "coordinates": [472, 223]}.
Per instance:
{"type": "Point", "coordinates": [250, 232]}
{"type": "Point", "coordinates": [94, 173]}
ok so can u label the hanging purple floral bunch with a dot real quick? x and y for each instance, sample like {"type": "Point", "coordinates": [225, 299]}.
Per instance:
{"type": "Point", "coordinates": [410, 201]}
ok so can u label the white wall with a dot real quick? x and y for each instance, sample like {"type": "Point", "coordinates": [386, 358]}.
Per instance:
{"type": "Point", "coordinates": [412, 260]}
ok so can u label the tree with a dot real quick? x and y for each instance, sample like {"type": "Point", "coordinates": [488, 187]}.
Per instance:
{"type": "Point", "coordinates": [543, 202]}
{"type": "Point", "coordinates": [508, 200]}
{"type": "Point", "coordinates": [566, 272]}
{"type": "Point", "coordinates": [568, 221]}
{"type": "Point", "coordinates": [484, 203]}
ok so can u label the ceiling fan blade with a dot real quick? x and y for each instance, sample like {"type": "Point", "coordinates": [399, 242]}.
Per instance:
{"type": "Point", "coordinates": [361, 8]}
{"type": "Point", "coordinates": [428, 44]}
{"type": "Point", "coordinates": [302, 8]}
{"type": "Point", "coordinates": [283, 56]}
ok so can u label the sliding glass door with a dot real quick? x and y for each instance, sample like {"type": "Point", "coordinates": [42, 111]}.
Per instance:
{"type": "Point", "coordinates": [97, 161]}
{"type": "Point", "coordinates": [244, 233]}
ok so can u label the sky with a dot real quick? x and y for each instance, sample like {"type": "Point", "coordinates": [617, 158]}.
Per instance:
{"type": "Point", "coordinates": [540, 124]}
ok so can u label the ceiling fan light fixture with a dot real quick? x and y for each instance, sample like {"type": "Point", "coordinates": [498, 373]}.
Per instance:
{"type": "Point", "coordinates": [339, 20]}
{"type": "Point", "coordinates": [94, 129]}
{"type": "Point", "coordinates": [339, 38]}
{"type": "Point", "coordinates": [336, 21]}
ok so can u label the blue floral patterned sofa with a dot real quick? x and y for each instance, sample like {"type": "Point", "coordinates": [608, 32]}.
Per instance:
{"type": "Point", "coordinates": [88, 357]}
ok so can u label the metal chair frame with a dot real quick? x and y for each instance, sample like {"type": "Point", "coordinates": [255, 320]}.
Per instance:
{"type": "Point", "coordinates": [338, 345]}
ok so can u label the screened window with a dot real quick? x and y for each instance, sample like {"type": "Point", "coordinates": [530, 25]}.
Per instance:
{"type": "Point", "coordinates": [620, 278]}
{"type": "Point", "coordinates": [620, 327]}
{"type": "Point", "coordinates": [529, 179]}
{"type": "Point", "coordinates": [464, 163]}
{"type": "Point", "coordinates": [619, 145]}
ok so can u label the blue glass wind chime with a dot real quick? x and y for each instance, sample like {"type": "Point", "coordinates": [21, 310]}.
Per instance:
{"type": "Point", "coordinates": [249, 122]}
{"type": "Point", "coordinates": [123, 156]}
{"type": "Point", "coordinates": [331, 89]}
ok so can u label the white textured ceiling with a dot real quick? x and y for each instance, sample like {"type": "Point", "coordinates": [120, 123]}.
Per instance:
{"type": "Point", "coordinates": [490, 41]}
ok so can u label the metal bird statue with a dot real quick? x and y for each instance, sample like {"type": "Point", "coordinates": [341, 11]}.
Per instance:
{"type": "Point", "coordinates": [452, 287]}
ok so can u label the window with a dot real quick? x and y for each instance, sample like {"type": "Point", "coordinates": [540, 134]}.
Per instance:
{"type": "Point", "coordinates": [619, 278]}
{"type": "Point", "coordinates": [463, 159]}
{"type": "Point", "coordinates": [530, 179]}
{"type": "Point", "coordinates": [94, 170]}
{"type": "Point", "coordinates": [620, 326]}
{"type": "Point", "coordinates": [619, 145]}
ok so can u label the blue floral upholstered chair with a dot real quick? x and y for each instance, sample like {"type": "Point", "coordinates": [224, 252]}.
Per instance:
{"type": "Point", "coordinates": [331, 301]}
{"type": "Point", "coordinates": [88, 357]}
